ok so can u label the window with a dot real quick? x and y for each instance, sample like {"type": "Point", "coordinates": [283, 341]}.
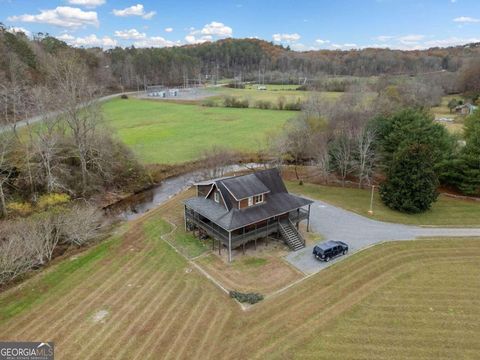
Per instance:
{"type": "Point", "coordinates": [258, 199]}
{"type": "Point", "coordinates": [216, 197]}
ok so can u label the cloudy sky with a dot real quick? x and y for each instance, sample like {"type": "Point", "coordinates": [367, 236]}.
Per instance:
{"type": "Point", "coordinates": [302, 24]}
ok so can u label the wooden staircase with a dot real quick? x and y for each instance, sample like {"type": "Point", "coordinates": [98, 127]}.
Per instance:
{"type": "Point", "coordinates": [291, 236]}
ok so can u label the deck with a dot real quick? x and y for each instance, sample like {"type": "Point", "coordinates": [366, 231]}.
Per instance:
{"type": "Point", "coordinates": [242, 236]}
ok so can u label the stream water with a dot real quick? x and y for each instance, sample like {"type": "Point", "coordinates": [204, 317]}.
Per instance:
{"type": "Point", "coordinates": [134, 206]}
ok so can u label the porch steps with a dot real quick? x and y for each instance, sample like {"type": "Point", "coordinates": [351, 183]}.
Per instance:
{"type": "Point", "coordinates": [291, 236]}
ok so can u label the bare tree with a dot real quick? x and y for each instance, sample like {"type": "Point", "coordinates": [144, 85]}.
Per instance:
{"type": "Point", "coordinates": [81, 224]}
{"type": "Point", "coordinates": [81, 110]}
{"type": "Point", "coordinates": [322, 154]}
{"type": "Point", "coordinates": [215, 160]}
{"type": "Point", "coordinates": [365, 159]}
{"type": "Point", "coordinates": [342, 153]}
{"type": "Point", "coordinates": [6, 168]}
{"type": "Point", "coordinates": [47, 142]}
{"type": "Point", "coordinates": [296, 142]}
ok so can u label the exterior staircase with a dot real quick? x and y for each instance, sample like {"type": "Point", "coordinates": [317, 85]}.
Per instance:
{"type": "Point", "coordinates": [291, 236]}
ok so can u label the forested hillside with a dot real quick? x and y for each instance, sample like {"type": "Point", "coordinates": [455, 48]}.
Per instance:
{"type": "Point", "coordinates": [245, 59]}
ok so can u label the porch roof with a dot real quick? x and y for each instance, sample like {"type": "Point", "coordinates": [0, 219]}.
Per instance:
{"type": "Point", "coordinates": [276, 204]}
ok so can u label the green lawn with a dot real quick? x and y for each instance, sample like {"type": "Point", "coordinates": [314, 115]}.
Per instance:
{"type": "Point", "coordinates": [272, 94]}
{"type": "Point", "coordinates": [445, 212]}
{"type": "Point", "coordinates": [168, 133]}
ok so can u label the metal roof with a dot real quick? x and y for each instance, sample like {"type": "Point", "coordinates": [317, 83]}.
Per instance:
{"type": "Point", "coordinates": [244, 186]}
{"type": "Point", "coordinates": [278, 202]}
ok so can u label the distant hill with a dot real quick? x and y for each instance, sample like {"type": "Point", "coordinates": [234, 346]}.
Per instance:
{"type": "Point", "coordinates": [244, 59]}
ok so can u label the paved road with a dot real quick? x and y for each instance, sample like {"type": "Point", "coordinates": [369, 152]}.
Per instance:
{"type": "Point", "coordinates": [35, 119]}
{"type": "Point", "coordinates": [360, 232]}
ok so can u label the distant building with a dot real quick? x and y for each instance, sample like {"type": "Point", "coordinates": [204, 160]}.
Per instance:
{"type": "Point", "coordinates": [445, 119]}
{"type": "Point", "coordinates": [465, 109]}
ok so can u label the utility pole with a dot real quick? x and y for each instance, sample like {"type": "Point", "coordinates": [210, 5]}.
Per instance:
{"type": "Point", "coordinates": [371, 201]}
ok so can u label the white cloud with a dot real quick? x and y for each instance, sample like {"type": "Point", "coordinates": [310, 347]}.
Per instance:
{"type": "Point", "coordinates": [132, 34]}
{"type": "Point", "coordinates": [63, 16]}
{"type": "Point", "coordinates": [156, 41]}
{"type": "Point", "coordinates": [16, 29]}
{"type": "Point", "coordinates": [87, 3]}
{"type": "Point", "coordinates": [211, 31]}
{"type": "Point", "coordinates": [89, 41]}
{"type": "Point", "coordinates": [168, 29]}
{"type": "Point", "coordinates": [322, 42]}
{"type": "Point", "coordinates": [135, 10]}
{"type": "Point", "coordinates": [451, 41]}
{"type": "Point", "coordinates": [346, 46]}
{"type": "Point", "coordinates": [411, 39]}
{"type": "Point", "coordinates": [302, 47]}
{"type": "Point", "coordinates": [383, 38]}
{"type": "Point", "coordinates": [192, 39]}
{"type": "Point", "coordinates": [466, 20]}
{"type": "Point", "coordinates": [286, 37]}
{"type": "Point", "coordinates": [216, 29]}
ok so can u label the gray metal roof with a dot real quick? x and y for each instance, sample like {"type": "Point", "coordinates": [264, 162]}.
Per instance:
{"type": "Point", "coordinates": [278, 202]}
{"type": "Point", "coordinates": [244, 186]}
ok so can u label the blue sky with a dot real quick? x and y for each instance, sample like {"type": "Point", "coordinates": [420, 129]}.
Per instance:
{"type": "Point", "coordinates": [302, 24]}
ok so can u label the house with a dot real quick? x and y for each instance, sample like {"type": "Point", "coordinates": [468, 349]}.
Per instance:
{"type": "Point", "coordinates": [236, 210]}
{"type": "Point", "coordinates": [466, 109]}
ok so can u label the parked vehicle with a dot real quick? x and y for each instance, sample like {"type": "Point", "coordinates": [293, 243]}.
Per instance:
{"type": "Point", "coordinates": [329, 250]}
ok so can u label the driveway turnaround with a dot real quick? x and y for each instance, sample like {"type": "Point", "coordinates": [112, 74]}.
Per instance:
{"type": "Point", "coordinates": [359, 232]}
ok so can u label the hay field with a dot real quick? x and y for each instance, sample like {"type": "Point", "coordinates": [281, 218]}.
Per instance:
{"type": "Point", "coordinates": [134, 297]}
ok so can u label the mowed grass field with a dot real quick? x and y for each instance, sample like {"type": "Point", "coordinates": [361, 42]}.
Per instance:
{"type": "Point", "coordinates": [134, 297]}
{"type": "Point", "coordinates": [446, 211]}
{"type": "Point", "coordinates": [169, 133]}
{"type": "Point", "coordinates": [272, 94]}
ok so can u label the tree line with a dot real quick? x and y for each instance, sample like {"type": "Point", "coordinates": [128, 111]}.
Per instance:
{"type": "Point", "coordinates": [387, 140]}
{"type": "Point", "coordinates": [244, 59]}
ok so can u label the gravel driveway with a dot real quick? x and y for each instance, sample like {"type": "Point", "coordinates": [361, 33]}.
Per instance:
{"type": "Point", "coordinates": [359, 232]}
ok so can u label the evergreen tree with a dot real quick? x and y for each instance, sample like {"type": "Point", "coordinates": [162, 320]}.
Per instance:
{"type": "Point", "coordinates": [469, 162]}
{"type": "Point", "coordinates": [411, 184]}
{"type": "Point", "coordinates": [412, 126]}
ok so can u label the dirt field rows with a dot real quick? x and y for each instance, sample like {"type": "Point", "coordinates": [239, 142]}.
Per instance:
{"type": "Point", "coordinates": [142, 300]}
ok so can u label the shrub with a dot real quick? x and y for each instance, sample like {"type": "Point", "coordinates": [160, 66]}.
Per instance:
{"type": "Point", "coordinates": [263, 104]}
{"type": "Point", "coordinates": [296, 106]}
{"type": "Point", "coordinates": [232, 101]}
{"type": "Point", "coordinates": [235, 85]}
{"type": "Point", "coordinates": [20, 208]}
{"type": "Point", "coordinates": [209, 103]}
{"type": "Point", "coordinates": [251, 298]}
{"type": "Point", "coordinates": [49, 200]}
{"type": "Point", "coordinates": [124, 96]}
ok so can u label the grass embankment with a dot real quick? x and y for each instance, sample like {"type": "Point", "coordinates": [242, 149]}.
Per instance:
{"type": "Point", "coordinates": [169, 133]}
{"type": "Point", "coordinates": [396, 300]}
{"type": "Point", "coordinates": [445, 212]}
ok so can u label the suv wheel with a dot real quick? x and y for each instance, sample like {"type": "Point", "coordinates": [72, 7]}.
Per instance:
{"type": "Point", "coordinates": [345, 252]}
{"type": "Point", "coordinates": [327, 259]}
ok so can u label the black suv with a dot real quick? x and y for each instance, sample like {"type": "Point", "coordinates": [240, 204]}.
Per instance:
{"type": "Point", "coordinates": [330, 249]}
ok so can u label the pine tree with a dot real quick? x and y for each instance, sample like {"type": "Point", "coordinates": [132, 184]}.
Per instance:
{"type": "Point", "coordinates": [411, 184]}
